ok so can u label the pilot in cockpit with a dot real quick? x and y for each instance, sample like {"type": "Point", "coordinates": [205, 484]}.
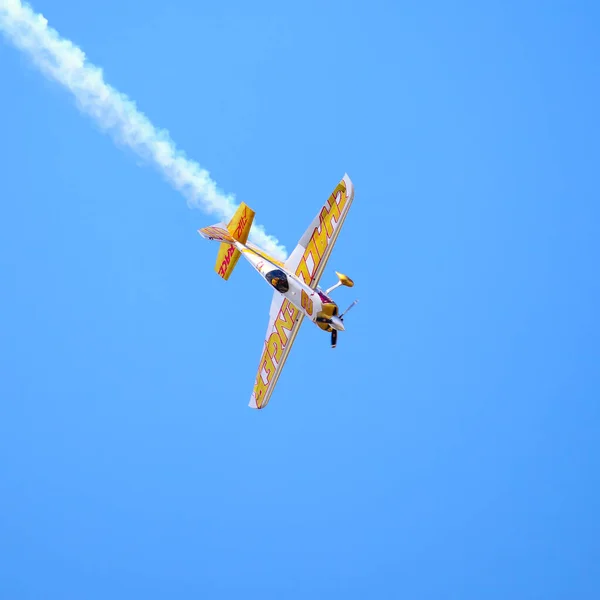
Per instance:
{"type": "Point", "coordinates": [278, 279]}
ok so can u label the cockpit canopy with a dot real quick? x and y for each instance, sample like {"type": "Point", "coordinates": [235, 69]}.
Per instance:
{"type": "Point", "coordinates": [278, 279]}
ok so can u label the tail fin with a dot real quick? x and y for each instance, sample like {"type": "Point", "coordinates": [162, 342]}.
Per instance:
{"type": "Point", "coordinates": [237, 229]}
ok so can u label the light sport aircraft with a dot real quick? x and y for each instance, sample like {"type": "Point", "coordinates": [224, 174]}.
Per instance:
{"type": "Point", "coordinates": [296, 281]}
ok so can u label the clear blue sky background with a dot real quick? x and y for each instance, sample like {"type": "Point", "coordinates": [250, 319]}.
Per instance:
{"type": "Point", "coordinates": [448, 448]}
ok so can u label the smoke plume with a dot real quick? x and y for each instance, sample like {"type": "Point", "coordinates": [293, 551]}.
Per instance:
{"type": "Point", "coordinates": [61, 60]}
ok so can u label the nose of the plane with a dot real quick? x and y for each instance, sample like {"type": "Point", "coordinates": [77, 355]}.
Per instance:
{"type": "Point", "coordinates": [337, 323]}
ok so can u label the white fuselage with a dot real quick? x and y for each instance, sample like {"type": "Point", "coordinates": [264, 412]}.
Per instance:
{"type": "Point", "coordinates": [304, 298]}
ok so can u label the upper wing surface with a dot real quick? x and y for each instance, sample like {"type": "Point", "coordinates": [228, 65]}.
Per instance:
{"type": "Point", "coordinates": [310, 256]}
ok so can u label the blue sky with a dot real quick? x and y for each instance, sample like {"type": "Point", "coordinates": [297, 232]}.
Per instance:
{"type": "Point", "coordinates": [448, 448]}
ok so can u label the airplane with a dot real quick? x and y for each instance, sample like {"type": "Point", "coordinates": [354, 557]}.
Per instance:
{"type": "Point", "coordinates": [297, 293]}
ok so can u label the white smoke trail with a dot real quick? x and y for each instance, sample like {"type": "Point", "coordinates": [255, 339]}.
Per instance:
{"type": "Point", "coordinates": [63, 61]}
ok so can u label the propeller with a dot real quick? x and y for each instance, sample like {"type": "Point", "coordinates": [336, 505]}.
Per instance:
{"type": "Point", "coordinates": [334, 332]}
{"type": "Point", "coordinates": [333, 338]}
{"type": "Point", "coordinates": [348, 309]}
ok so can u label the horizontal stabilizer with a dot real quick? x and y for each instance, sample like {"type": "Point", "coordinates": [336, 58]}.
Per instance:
{"type": "Point", "coordinates": [217, 232]}
{"type": "Point", "coordinates": [238, 230]}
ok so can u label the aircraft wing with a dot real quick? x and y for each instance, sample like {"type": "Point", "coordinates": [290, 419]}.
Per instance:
{"type": "Point", "coordinates": [310, 256]}
{"type": "Point", "coordinates": [284, 323]}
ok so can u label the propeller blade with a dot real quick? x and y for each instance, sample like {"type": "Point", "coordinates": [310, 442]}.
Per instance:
{"type": "Point", "coordinates": [333, 338]}
{"type": "Point", "coordinates": [353, 304]}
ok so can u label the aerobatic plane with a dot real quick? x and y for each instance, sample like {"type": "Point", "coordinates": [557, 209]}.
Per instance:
{"type": "Point", "coordinates": [296, 281]}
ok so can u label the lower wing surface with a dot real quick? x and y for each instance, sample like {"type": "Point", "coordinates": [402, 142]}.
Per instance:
{"type": "Point", "coordinates": [284, 322]}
